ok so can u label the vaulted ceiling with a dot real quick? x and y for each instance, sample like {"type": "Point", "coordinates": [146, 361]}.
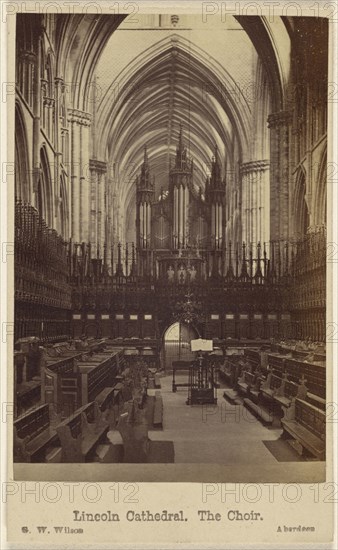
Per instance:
{"type": "Point", "coordinates": [141, 76]}
{"type": "Point", "coordinates": [173, 86]}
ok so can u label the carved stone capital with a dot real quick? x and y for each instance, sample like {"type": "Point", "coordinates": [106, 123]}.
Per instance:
{"type": "Point", "coordinates": [254, 166]}
{"type": "Point", "coordinates": [98, 165]}
{"type": "Point", "coordinates": [49, 101]}
{"type": "Point", "coordinates": [79, 117]}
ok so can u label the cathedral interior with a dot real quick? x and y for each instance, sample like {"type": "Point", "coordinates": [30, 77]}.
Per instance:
{"type": "Point", "coordinates": [170, 241]}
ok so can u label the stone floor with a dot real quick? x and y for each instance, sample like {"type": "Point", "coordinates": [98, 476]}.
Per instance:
{"type": "Point", "coordinates": [219, 434]}
{"type": "Point", "coordinates": [229, 439]}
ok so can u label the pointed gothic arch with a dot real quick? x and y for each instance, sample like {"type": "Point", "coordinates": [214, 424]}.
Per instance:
{"type": "Point", "coordinates": [44, 189]}
{"type": "Point", "coordinates": [22, 166]}
{"type": "Point", "coordinates": [301, 215]}
{"type": "Point", "coordinates": [320, 203]}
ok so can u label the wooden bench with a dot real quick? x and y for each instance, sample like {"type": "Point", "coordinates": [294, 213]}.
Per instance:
{"type": "Point", "coordinates": [276, 363]}
{"type": "Point", "coordinates": [97, 345]}
{"type": "Point", "coordinates": [71, 382]}
{"type": "Point", "coordinates": [313, 371]}
{"type": "Point", "coordinates": [288, 391]}
{"type": "Point", "coordinates": [316, 401]}
{"type": "Point", "coordinates": [253, 356]}
{"type": "Point", "coordinates": [51, 376]}
{"type": "Point", "coordinates": [244, 383]}
{"type": "Point", "coordinates": [271, 385]}
{"type": "Point", "coordinates": [260, 411]}
{"type": "Point", "coordinates": [115, 399]}
{"type": "Point", "coordinates": [306, 425]}
{"type": "Point", "coordinates": [158, 411]}
{"type": "Point", "coordinates": [110, 401]}
{"type": "Point", "coordinates": [262, 403]}
{"type": "Point", "coordinates": [315, 375]}
{"type": "Point", "coordinates": [34, 439]}
{"type": "Point", "coordinates": [28, 395]}
{"type": "Point", "coordinates": [81, 433]}
{"type": "Point", "coordinates": [229, 372]}
{"type": "Point", "coordinates": [96, 379]}
{"type": "Point", "coordinates": [255, 388]}
{"type": "Point", "coordinates": [106, 398]}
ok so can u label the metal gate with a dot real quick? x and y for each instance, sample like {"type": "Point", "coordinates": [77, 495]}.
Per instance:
{"type": "Point", "coordinates": [176, 344]}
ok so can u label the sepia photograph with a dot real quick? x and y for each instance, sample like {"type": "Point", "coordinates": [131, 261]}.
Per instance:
{"type": "Point", "coordinates": [170, 246]}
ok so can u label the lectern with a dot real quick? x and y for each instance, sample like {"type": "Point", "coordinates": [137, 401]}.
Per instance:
{"type": "Point", "coordinates": [202, 387]}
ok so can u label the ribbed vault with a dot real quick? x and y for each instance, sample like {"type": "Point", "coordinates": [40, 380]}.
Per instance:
{"type": "Point", "coordinates": [153, 86]}
{"type": "Point", "coordinates": [171, 83]}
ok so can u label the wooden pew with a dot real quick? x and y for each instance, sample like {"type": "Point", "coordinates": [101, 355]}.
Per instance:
{"type": "Point", "coordinates": [253, 356]}
{"type": "Point", "coordinates": [70, 383]}
{"type": "Point", "coordinates": [110, 401]}
{"type": "Point", "coordinates": [81, 433]}
{"type": "Point", "coordinates": [315, 375]}
{"type": "Point", "coordinates": [255, 388]}
{"type": "Point", "coordinates": [316, 401]}
{"type": "Point", "coordinates": [288, 391]}
{"type": "Point", "coordinates": [52, 372]}
{"type": "Point", "coordinates": [34, 438]}
{"type": "Point", "coordinates": [97, 345]}
{"type": "Point", "coordinates": [245, 381]}
{"type": "Point", "coordinates": [261, 411]}
{"type": "Point", "coordinates": [229, 372]}
{"type": "Point", "coordinates": [96, 379]}
{"type": "Point", "coordinates": [306, 425]}
{"type": "Point", "coordinates": [158, 411]}
{"type": "Point", "coordinates": [27, 395]}
{"type": "Point", "coordinates": [106, 398]}
{"type": "Point", "coordinates": [154, 379]}
{"type": "Point", "coordinates": [52, 385]}
{"type": "Point", "coordinates": [27, 378]}
{"type": "Point", "coordinates": [276, 363]}
{"type": "Point", "coordinates": [271, 385]}
{"type": "Point", "coordinates": [263, 404]}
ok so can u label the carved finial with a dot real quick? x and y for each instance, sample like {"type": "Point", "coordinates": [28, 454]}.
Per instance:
{"type": "Point", "coordinates": [145, 179]}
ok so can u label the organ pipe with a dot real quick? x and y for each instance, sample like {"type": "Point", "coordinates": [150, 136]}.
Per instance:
{"type": "Point", "coordinates": [186, 210]}
{"type": "Point", "coordinates": [175, 218]}
{"type": "Point", "coordinates": [180, 221]}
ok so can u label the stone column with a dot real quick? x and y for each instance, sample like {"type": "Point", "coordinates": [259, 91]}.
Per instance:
{"type": "Point", "coordinates": [75, 180]}
{"type": "Point", "coordinates": [98, 213]}
{"type": "Point", "coordinates": [80, 122]}
{"type": "Point", "coordinates": [85, 182]}
{"type": "Point", "coordinates": [255, 201]}
{"type": "Point", "coordinates": [102, 236]}
{"type": "Point", "coordinates": [280, 132]}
